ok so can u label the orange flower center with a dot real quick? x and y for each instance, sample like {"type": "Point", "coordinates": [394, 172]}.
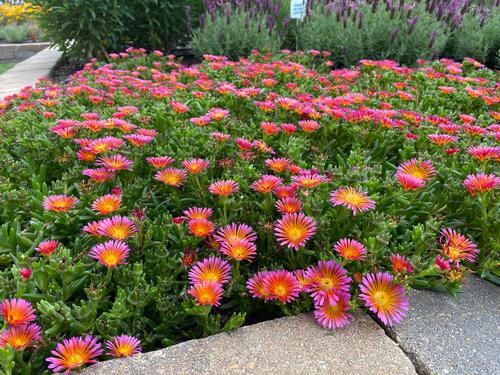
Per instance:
{"type": "Point", "coordinates": [119, 232]}
{"type": "Point", "coordinates": [110, 258]}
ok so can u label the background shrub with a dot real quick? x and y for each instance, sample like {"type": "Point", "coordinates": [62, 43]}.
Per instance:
{"type": "Point", "coordinates": [476, 37]}
{"type": "Point", "coordinates": [89, 28]}
{"type": "Point", "coordinates": [234, 31]}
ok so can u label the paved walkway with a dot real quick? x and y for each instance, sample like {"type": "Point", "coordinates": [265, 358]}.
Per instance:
{"type": "Point", "coordinates": [28, 72]}
{"type": "Point", "coordinates": [441, 336]}
{"type": "Point", "coordinates": [455, 336]}
{"type": "Point", "coordinates": [289, 346]}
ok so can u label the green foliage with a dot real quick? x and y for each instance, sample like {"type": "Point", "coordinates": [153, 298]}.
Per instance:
{"type": "Point", "coordinates": [14, 33]}
{"type": "Point", "coordinates": [477, 39]}
{"type": "Point", "coordinates": [373, 35]}
{"type": "Point", "coordinates": [92, 28]}
{"type": "Point", "coordinates": [5, 67]}
{"type": "Point", "coordinates": [234, 36]}
{"type": "Point", "coordinates": [148, 297]}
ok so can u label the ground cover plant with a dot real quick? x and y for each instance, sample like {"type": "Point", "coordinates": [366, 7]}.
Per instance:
{"type": "Point", "coordinates": [144, 202]}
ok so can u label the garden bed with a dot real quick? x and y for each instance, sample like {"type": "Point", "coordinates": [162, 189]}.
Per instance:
{"type": "Point", "coordinates": [167, 202]}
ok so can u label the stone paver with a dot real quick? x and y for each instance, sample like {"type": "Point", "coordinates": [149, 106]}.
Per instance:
{"type": "Point", "coordinates": [28, 72]}
{"type": "Point", "coordinates": [454, 336]}
{"type": "Point", "coordinates": [291, 346]}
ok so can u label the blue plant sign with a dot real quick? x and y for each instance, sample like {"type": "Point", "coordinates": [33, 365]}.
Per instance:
{"type": "Point", "coordinates": [298, 9]}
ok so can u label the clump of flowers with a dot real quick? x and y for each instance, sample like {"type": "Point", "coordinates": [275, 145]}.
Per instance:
{"type": "Point", "coordinates": [225, 192]}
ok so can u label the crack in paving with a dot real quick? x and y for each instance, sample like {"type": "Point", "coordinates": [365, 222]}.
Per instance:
{"type": "Point", "coordinates": [420, 367]}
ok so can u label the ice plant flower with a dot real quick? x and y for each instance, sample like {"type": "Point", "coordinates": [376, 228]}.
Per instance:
{"type": "Point", "coordinates": [334, 315]}
{"type": "Point", "coordinates": [289, 205]}
{"type": "Point", "coordinates": [309, 126]}
{"type": "Point", "coordinates": [195, 166]}
{"type": "Point", "coordinates": [293, 230]}
{"type": "Point", "coordinates": [159, 162]}
{"type": "Point", "coordinates": [442, 263]}
{"type": "Point", "coordinates": [138, 140]}
{"type": "Point", "coordinates": [47, 247]}
{"type": "Point", "coordinates": [99, 175]}
{"type": "Point", "coordinates": [479, 183]}
{"type": "Point", "coordinates": [400, 263]}
{"type": "Point", "coordinates": [110, 253]}
{"type": "Point", "coordinates": [409, 182]}
{"type": "Point", "coordinates": [206, 293]}
{"type": "Point", "coordinates": [118, 228]}
{"type": "Point", "coordinates": [74, 353]}
{"type": "Point", "coordinates": [266, 183]}
{"type": "Point", "coordinates": [256, 287]}
{"type": "Point", "coordinates": [384, 298]}
{"type": "Point", "coordinates": [224, 188]}
{"type": "Point", "coordinates": [282, 286]}
{"type": "Point", "coordinates": [201, 227]}
{"type": "Point", "coordinates": [107, 204]}
{"type": "Point", "coordinates": [59, 203]}
{"type": "Point", "coordinates": [483, 153]}
{"type": "Point", "coordinates": [25, 273]}
{"type": "Point", "coordinates": [278, 165]}
{"type": "Point", "coordinates": [350, 249]}
{"type": "Point", "coordinates": [309, 180]}
{"type": "Point", "coordinates": [17, 311]}
{"type": "Point", "coordinates": [284, 191]}
{"type": "Point", "coordinates": [326, 279]}
{"type": "Point", "coordinates": [194, 213]}
{"type": "Point", "coordinates": [115, 162]}
{"type": "Point", "coordinates": [422, 170]}
{"type": "Point", "coordinates": [234, 231]}
{"type": "Point", "coordinates": [442, 139]}
{"type": "Point", "coordinates": [239, 249]}
{"type": "Point", "coordinates": [355, 200]}
{"type": "Point", "coordinates": [123, 346]}
{"type": "Point", "coordinates": [171, 176]}
{"type": "Point", "coordinates": [457, 247]}
{"type": "Point", "coordinates": [20, 337]}
{"type": "Point", "coordinates": [210, 269]}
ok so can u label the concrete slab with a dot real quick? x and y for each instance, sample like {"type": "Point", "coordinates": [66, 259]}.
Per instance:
{"type": "Point", "coordinates": [28, 72]}
{"type": "Point", "coordinates": [454, 336]}
{"type": "Point", "coordinates": [291, 346]}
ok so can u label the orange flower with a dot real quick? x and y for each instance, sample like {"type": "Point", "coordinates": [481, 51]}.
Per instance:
{"type": "Point", "coordinates": [17, 311]}
{"type": "Point", "coordinates": [352, 199]}
{"type": "Point", "coordinates": [293, 230]}
{"type": "Point", "coordinates": [239, 249]}
{"type": "Point", "coordinates": [309, 180]}
{"type": "Point", "coordinates": [289, 205]}
{"type": "Point", "coordinates": [110, 253]}
{"type": "Point", "coordinates": [278, 165]}
{"type": "Point", "coordinates": [201, 227]}
{"type": "Point", "coordinates": [207, 293]}
{"type": "Point", "coordinates": [194, 213]}
{"type": "Point", "coordinates": [266, 183]}
{"type": "Point", "coordinates": [118, 228]}
{"type": "Point", "coordinates": [423, 170]}
{"type": "Point", "coordinates": [195, 166]}
{"type": "Point", "coordinates": [171, 176]}
{"type": "Point", "coordinates": [224, 188]}
{"type": "Point", "coordinates": [20, 337]}
{"type": "Point", "coordinates": [107, 204]}
{"type": "Point", "coordinates": [59, 203]}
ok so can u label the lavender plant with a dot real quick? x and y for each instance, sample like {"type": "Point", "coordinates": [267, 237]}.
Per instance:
{"type": "Point", "coordinates": [235, 27]}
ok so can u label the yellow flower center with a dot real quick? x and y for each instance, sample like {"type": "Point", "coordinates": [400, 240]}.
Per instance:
{"type": "Point", "coordinates": [119, 232]}
{"type": "Point", "coordinates": [110, 258]}
{"type": "Point", "coordinates": [381, 298]}
{"type": "Point", "coordinates": [75, 360]}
